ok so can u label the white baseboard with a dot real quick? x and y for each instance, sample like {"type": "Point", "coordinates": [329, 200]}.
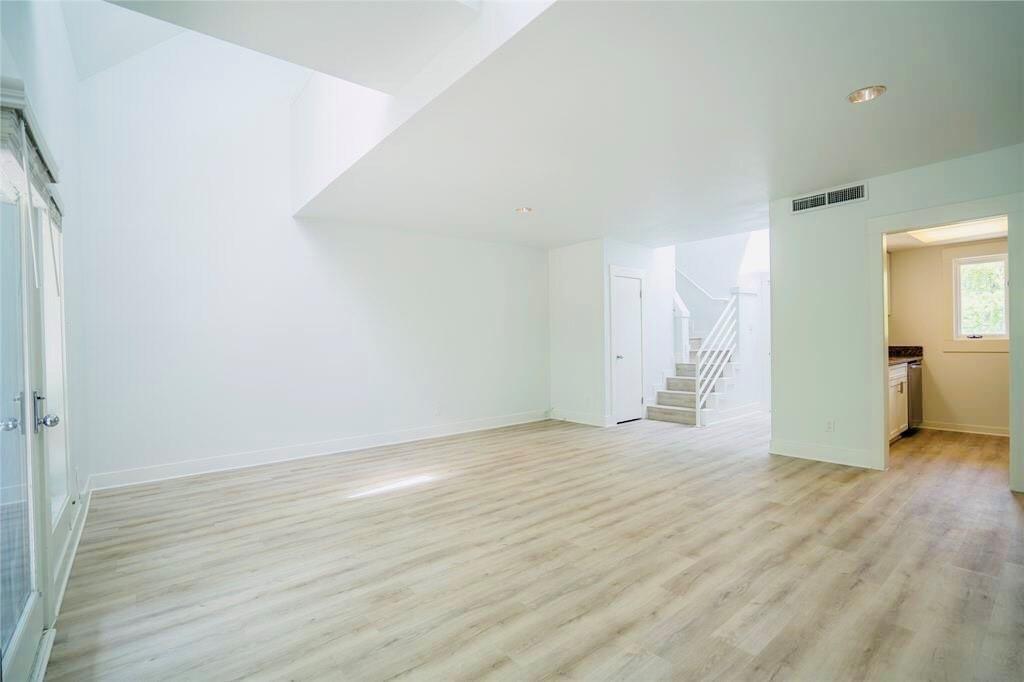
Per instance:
{"type": "Point", "coordinates": [823, 453]}
{"type": "Point", "coordinates": [43, 657]}
{"type": "Point", "coordinates": [590, 419]}
{"type": "Point", "coordinates": [241, 460]}
{"type": "Point", "coordinates": [62, 575]}
{"type": "Point", "coordinates": [968, 428]}
{"type": "Point", "coordinates": [730, 414]}
{"type": "Point", "coordinates": [67, 557]}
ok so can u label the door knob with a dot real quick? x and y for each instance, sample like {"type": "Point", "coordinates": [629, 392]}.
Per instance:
{"type": "Point", "coordinates": [10, 424]}
{"type": "Point", "coordinates": [618, 357]}
{"type": "Point", "coordinates": [47, 420]}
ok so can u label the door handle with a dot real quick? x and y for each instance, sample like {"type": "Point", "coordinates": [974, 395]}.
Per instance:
{"type": "Point", "coordinates": [10, 424]}
{"type": "Point", "coordinates": [47, 420]}
{"type": "Point", "coordinates": [618, 357]}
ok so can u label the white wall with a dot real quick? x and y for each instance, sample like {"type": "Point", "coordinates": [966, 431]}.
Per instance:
{"type": "Point", "coordinates": [36, 51]}
{"type": "Point", "coordinates": [715, 267]}
{"type": "Point", "coordinates": [828, 343]}
{"type": "Point", "coordinates": [579, 361]}
{"type": "Point", "coordinates": [962, 391]}
{"type": "Point", "coordinates": [714, 263]}
{"type": "Point", "coordinates": [579, 280]}
{"type": "Point", "coordinates": [333, 123]}
{"type": "Point", "coordinates": [211, 330]}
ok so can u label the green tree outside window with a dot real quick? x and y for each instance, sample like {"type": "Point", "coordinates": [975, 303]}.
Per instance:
{"type": "Point", "coordinates": [983, 298]}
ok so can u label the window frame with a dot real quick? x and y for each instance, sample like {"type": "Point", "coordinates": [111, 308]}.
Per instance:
{"type": "Point", "coordinates": [1003, 258]}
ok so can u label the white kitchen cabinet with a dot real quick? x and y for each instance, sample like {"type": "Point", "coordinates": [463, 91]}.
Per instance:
{"type": "Point", "coordinates": [899, 415]}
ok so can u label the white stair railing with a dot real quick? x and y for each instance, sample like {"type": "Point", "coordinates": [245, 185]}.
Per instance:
{"type": "Point", "coordinates": [681, 318]}
{"type": "Point", "coordinates": [698, 287]}
{"type": "Point", "coordinates": [715, 351]}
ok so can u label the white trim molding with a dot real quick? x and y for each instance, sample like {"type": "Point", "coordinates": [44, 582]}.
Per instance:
{"type": "Point", "coordinates": [242, 460]}
{"type": "Point", "coordinates": [13, 96]}
{"type": "Point", "coordinates": [43, 657]}
{"type": "Point", "coordinates": [1010, 205]}
{"type": "Point", "coordinates": [980, 429]}
{"type": "Point", "coordinates": [730, 414]}
{"type": "Point", "coordinates": [822, 453]}
{"type": "Point", "coordinates": [67, 558]}
{"type": "Point", "coordinates": [952, 258]}
{"type": "Point", "coordinates": [589, 419]}
{"type": "Point", "coordinates": [60, 584]}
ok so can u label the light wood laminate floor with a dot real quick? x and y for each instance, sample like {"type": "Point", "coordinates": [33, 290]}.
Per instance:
{"type": "Point", "coordinates": [646, 551]}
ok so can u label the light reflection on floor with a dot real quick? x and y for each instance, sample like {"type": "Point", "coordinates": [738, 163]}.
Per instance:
{"type": "Point", "coordinates": [394, 485]}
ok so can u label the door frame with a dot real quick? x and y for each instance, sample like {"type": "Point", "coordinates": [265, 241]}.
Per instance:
{"type": "Point", "coordinates": [641, 275]}
{"type": "Point", "coordinates": [52, 553]}
{"type": "Point", "coordinates": [1010, 205]}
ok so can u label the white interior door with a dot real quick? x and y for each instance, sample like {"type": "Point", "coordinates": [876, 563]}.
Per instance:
{"type": "Point", "coordinates": [21, 605]}
{"type": "Point", "coordinates": [49, 386]}
{"type": "Point", "coordinates": [37, 508]}
{"type": "Point", "coordinates": [627, 345]}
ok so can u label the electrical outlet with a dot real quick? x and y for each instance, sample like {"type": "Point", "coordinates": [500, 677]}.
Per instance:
{"type": "Point", "coordinates": [830, 426]}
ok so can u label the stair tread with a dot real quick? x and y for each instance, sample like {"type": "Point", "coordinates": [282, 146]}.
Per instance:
{"type": "Point", "coordinates": [687, 362]}
{"type": "Point", "coordinates": [676, 408]}
{"type": "Point", "coordinates": [676, 390]}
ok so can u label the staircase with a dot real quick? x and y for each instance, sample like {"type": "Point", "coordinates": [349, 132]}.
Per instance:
{"type": "Point", "coordinates": [703, 377]}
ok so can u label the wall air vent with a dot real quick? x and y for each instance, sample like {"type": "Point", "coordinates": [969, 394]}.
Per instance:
{"type": "Point", "coordinates": [838, 196]}
{"type": "Point", "coordinates": [804, 203]}
{"type": "Point", "coordinates": [831, 197]}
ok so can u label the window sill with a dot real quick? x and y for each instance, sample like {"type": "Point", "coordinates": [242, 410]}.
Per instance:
{"type": "Point", "coordinates": [976, 346]}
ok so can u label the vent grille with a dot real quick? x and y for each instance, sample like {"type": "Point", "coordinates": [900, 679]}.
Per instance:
{"type": "Point", "coordinates": [804, 203]}
{"type": "Point", "coordinates": [838, 196]}
{"type": "Point", "coordinates": [831, 197]}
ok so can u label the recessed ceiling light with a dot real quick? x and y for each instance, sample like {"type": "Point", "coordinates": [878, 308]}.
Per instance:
{"type": "Point", "coordinates": [988, 228]}
{"type": "Point", "coordinates": [866, 94]}
{"type": "Point", "coordinates": [524, 209]}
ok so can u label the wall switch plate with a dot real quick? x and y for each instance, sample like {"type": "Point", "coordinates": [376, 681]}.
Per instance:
{"type": "Point", "coordinates": [830, 426]}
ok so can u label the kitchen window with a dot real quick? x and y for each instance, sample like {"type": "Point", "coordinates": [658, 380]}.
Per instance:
{"type": "Point", "coordinates": [981, 288]}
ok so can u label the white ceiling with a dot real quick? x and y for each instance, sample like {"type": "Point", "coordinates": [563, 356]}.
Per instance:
{"type": "Point", "coordinates": [380, 45]}
{"type": "Point", "coordinates": [662, 122]}
{"type": "Point", "coordinates": [102, 35]}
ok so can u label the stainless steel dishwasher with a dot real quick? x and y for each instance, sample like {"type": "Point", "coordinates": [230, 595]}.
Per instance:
{"type": "Point", "coordinates": [915, 408]}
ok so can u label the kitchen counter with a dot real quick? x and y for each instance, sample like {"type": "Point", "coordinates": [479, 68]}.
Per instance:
{"type": "Point", "coordinates": [899, 355]}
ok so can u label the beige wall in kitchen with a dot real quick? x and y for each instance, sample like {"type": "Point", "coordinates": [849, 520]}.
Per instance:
{"type": "Point", "coordinates": [963, 391]}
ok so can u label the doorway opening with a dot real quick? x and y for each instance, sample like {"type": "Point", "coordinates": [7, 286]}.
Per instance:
{"type": "Point", "coordinates": [721, 330]}
{"type": "Point", "coordinates": [946, 331]}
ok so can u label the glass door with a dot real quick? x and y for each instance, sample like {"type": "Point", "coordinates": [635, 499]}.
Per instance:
{"type": "Point", "coordinates": [38, 488]}
{"type": "Point", "coordinates": [21, 607]}
{"type": "Point", "coordinates": [47, 303]}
